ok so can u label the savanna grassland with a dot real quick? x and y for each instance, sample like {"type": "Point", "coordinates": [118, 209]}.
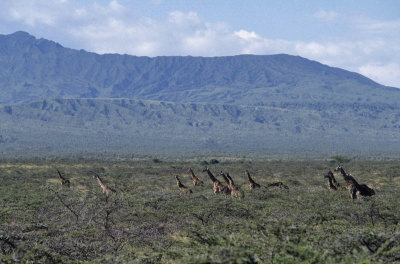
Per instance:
{"type": "Point", "coordinates": [148, 219]}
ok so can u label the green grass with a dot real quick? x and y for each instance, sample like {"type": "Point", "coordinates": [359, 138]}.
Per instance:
{"type": "Point", "coordinates": [148, 220]}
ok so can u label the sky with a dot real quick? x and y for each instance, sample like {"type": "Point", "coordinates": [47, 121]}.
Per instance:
{"type": "Point", "coordinates": [358, 35]}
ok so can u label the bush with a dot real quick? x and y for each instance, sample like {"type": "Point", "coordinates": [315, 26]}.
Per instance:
{"type": "Point", "coordinates": [341, 159]}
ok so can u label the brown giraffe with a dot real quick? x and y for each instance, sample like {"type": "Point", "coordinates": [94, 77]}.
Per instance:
{"type": "Point", "coordinates": [333, 185]}
{"type": "Point", "coordinates": [196, 181]}
{"type": "Point", "coordinates": [182, 187]}
{"type": "Point", "coordinates": [252, 183]}
{"type": "Point", "coordinates": [353, 186]}
{"type": "Point", "coordinates": [107, 190]}
{"type": "Point", "coordinates": [64, 181]}
{"type": "Point", "coordinates": [235, 190]}
{"type": "Point", "coordinates": [225, 179]}
{"type": "Point", "coordinates": [218, 187]}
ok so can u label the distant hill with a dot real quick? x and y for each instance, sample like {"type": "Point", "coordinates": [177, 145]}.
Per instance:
{"type": "Point", "coordinates": [58, 99]}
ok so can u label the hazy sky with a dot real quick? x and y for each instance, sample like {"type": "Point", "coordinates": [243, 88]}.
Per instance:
{"type": "Point", "coordinates": [361, 36]}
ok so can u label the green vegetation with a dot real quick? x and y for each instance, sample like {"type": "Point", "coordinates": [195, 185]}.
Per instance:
{"type": "Point", "coordinates": [148, 220]}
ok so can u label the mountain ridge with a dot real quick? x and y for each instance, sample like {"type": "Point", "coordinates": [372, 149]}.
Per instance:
{"type": "Point", "coordinates": [44, 69]}
{"type": "Point", "coordinates": [55, 99]}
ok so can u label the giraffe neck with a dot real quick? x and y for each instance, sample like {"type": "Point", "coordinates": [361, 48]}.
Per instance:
{"type": "Point", "coordinates": [60, 176]}
{"type": "Point", "coordinates": [178, 182]}
{"type": "Point", "coordinates": [248, 177]}
{"type": "Point", "coordinates": [332, 178]}
{"type": "Point", "coordinates": [225, 178]}
{"type": "Point", "coordinates": [192, 173]}
{"type": "Point", "coordinates": [331, 182]}
{"type": "Point", "coordinates": [230, 179]}
{"type": "Point", "coordinates": [213, 179]}
{"type": "Point", "coordinates": [101, 183]}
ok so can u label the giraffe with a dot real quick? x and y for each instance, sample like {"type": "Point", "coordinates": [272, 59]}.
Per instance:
{"type": "Point", "coordinates": [182, 187]}
{"type": "Point", "coordinates": [107, 190]}
{"type": "Point", "coordinates": [347, 177]}
{"type": "Point", "coordinates": [218, 187]}
{"type": "Point", "coordinates": [353, 186]}
{"type": "Point", "coordinates": [63, 180]}
{"type": "Point", "coordinates": [235, 190]}
{"type": "Point", "coordinates": [225, 179]}
{"type": "Point", "coordinates": [252, 183]}
{"type": "Point", "coordinates": [196, 181]}
{"type": "Point", "coordinates": [333, 185]}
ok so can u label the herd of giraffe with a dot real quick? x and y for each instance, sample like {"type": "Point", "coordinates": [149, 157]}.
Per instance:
{"type": "Point", "coordinates": [229, 189]}
{"type": "Point", "coordinates": [356, 190]}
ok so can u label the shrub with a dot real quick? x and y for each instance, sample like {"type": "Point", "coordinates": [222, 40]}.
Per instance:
{"type": "Point", "coordinates": [155, 160]}
{"type": "Point", "coordinates": [341, 159]}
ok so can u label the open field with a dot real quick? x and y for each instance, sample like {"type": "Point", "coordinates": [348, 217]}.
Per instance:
{"type": "Point", "coordinates": [148, 220]}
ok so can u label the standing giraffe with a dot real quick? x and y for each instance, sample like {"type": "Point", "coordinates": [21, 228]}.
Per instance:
{"type": "Point", "coordinates": [182, 187]}
{"type": "Point", "coordinates": [235, 191]}
{"type": "Point", "coordinates": [353, 186]}
{"type": "Point", "coordinates": [107, 190]}
{"type": "Point", "coordinates": [64, 181]}
{"type": "Point", "coordinates": [347, 177]}
{"type": "Point", "coordinates": [228, 184]}
{"type": "Point", "coordinates": [196, 181]}
{"type": "Point", "coordinates": [333, 185]}
{"type": "Point", "coordinates": [217, 185]}
{"type": "Point", "coordinates": [252, 183]}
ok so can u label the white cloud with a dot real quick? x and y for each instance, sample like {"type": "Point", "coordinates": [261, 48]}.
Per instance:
{"type": "Point", "coordinates": [327, 16]}
{"type": "Point", "coordinates": [246, 35]}
{"type": "Point", "coordinates": [382, 73]}
{"type": "Point", "coordinates": [115, 6]}
{"type": "Point", "coordinates": [373, 26]}
{"type": "Point", "coordinates": [115, 28]}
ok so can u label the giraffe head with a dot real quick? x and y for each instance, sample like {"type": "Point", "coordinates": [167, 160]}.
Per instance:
{"type": "Point", "coordinates": [206, 169]}
{"type": "Point", "coordinates": [94, 174]}
{"type": "Point", "coordinates": [329, 175]}
{"type": "Point", "coordinates": [338, 168]}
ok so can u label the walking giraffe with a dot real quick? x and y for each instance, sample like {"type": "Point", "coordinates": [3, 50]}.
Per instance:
{"type": "Point", "coordinates": [218, 187]}
{"type": "Point", "coordinates": [235, 190]}
{"type": "Point", "coordinates": [333, 185]}
{"type": "Point", "coordinates": [353, 186]}
{"type": "Point", "coordinates": [106, 189]}
{"type": "Point", "coordinates": [64, 181]}
{"type": "Point", "coordinates": [196, 181]}
{"type": "Point", "coordinates": [182, 187]}
{"type": "Point", "coordinates": [252, 183]}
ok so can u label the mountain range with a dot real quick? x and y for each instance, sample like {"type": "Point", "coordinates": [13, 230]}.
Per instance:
{"type": "Point", "coordinates": [55, 99]}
